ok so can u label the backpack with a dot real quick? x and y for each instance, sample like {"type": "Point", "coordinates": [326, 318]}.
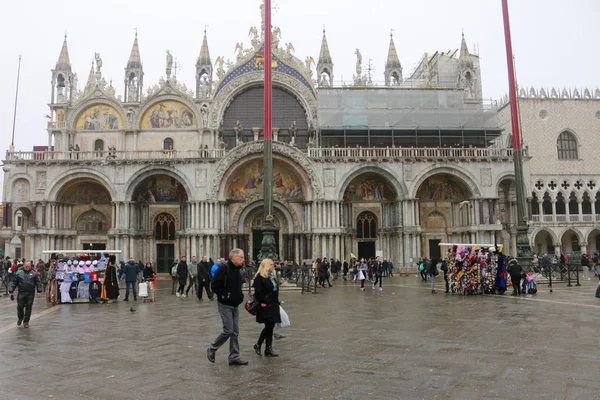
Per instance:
{"type": "Point", "coordinates": [213, 270]}
{"type": "Point", "coordinates": [421, 267]}
{"type": "Point", "coordinates": [174, 272]}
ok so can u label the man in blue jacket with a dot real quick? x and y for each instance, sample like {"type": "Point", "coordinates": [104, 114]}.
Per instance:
{"type": "Point", "coordinates": [131, 271]}
{"type": "Point", "coordinates": [227, 285]}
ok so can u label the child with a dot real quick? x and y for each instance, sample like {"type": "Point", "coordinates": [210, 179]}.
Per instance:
{"type": "Point", "coordinates": [530, 282]}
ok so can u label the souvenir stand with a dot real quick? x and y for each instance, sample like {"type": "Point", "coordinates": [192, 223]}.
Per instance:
{"type": "Point", "coordinates": [475, 268]}
{"type": "Point", "coordinates": [79, 280]}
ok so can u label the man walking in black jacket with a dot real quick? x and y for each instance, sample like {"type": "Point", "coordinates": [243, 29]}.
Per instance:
{"type": "Point", "coordinates": [227, 285]}
{"type": "Point", "coordinates": [27, 281]}
{"type": "Point", "coordinates": [203, 277]}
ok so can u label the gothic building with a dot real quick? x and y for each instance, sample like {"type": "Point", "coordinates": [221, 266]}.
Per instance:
{"type": "Point", "coordinates": [165, 171]}
{"type": "Point", "coordinates": [560, 128]}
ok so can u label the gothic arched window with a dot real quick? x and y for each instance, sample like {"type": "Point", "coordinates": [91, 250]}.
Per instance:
{"type": "Point", "coordinates": [566, 146]}
{"type": "Point", "coordinates": [366, 226]}
{"type": "Point", "coordinates": [164, 228]}
{"type": "Point", "coordinates": [99, 145]}
{"type": "Point", "coordinates": [92, 221]}
{"type": "Point", "coordinates": [168, 144]}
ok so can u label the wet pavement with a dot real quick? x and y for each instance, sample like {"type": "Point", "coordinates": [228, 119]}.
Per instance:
{"type": "Point", "coordinates": [402, 343]}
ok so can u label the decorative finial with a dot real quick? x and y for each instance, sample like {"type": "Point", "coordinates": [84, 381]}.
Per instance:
{"type": "Point", "coordinates": [463, 33]}
{"type": "Point", "coordinates": [392, 33]}
{"type": "Point", "coordinates": [65, 34]}
{"type": "Point", "coordinates": [323, 29]}
{"type": "Point", "coordinates": [205, 26]}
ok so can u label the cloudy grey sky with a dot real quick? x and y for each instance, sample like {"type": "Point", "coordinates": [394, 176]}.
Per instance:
{"type": "Point", "coordinates": [554, 41]}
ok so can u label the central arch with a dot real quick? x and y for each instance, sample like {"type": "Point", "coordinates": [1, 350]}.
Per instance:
{"type": "Point", "coordinates": [227, 93]}
{"type": "Point", "coordinates": [245, 223]}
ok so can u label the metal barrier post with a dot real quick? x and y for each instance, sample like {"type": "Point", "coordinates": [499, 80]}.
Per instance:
{"type": "Point", "coordinates": [550, 278]}
{"type": "Point", "coordinates": [577, 274]}
{"type": "Point", "coordinates": [569, 275]}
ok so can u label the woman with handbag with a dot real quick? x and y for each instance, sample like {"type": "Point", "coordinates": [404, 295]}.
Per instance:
{"type": "Point", "coordinates": [266, 293]}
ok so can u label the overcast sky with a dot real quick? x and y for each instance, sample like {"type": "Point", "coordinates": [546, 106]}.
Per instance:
{"type": "Point", "coordinates": [555, 42]}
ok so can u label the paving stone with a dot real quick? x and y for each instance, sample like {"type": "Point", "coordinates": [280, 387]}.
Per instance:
{"type": "Point", "coordinates": [403, 343]}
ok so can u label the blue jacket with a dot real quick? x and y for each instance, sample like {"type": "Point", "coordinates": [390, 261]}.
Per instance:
{"type": "Point", "coordinates": [213, 269]}
{"type": "Point", "coordinates": [131, 271]}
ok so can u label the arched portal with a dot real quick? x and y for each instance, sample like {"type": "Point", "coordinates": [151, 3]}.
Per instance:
{"type": "Point", "coordinates": [543, 243]}
{"type": "Point", "coordinates": [370, 211]}
{"type": "Point", "coordinates": [570, 242]}
{"type": "Point", "coordinates": [249, 235]}
{"type": "Point", "coordinates": [159, 204]}
{"type": "Point", "coordinates": [366, 234]}
{"type": "Point", "coordinates": [445, 213]}
{"type": "Point", "coordinates": [84, 205]}
{"type": "Point", "coordinates": [164, 236]}
{"type": "Point", "coordinates": [593, 241]}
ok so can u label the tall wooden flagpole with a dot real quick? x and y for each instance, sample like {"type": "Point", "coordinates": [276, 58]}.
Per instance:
{"type": "Point", "coordinates": [268, 248]}
{"type": "Point", "coordinates": [523, 247]}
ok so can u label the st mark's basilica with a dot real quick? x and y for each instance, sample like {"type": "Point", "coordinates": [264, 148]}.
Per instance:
{"type": "Point", "coordinates": [160, 171]}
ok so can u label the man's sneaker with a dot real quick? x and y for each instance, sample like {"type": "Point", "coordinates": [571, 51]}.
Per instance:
{"type": "Point", "coordinates": [373, 287]}
{"type": "Point", "coordinates": [21, 320]}
{"type": "Point", "coordinates": [178, 295]}
{"type": "Point", "coordinates": [25, 324]}
{"type": "Point", "coordinates": [381, 289]}
{"type": "Point", "coordinates": [183, 295]}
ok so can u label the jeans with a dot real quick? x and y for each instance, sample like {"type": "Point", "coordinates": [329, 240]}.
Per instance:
{"type": "Point", "coordinates": [132, 284]}
{"type": "Point", "coordinates": [446, 280]}
{"type": "Point", "coordinates": [598, 291]}
{"type": "Point", "coordinates": [230, 317]}
{"type": "Point", "coordinates": [432, 282]}
{"type": "Point", "coordinates": [192, 282]}
{"type": "Point", "coordinates": [24, 305]}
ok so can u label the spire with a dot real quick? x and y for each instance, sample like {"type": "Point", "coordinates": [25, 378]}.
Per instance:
{"type": "Point", "coordinates": [464, 60]}
{"type": "Point", "coordinates": [392, 59]}
{"type": "Point", "coordinates": [64, 63]}
{"type": "Point", "coordinates": [135, 60]}
{"type": "Point", "coordinates": [204, 58]}
{"type": "Point", "coordinates": [393, 68]}
{"type": "Point", "coordinates": [325, 57]}
{"type": "Point", "coordinates": [91, 82]}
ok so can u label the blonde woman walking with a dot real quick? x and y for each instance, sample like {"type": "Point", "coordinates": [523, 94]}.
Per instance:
{"type": "Point", "coordinates": [266, 292]}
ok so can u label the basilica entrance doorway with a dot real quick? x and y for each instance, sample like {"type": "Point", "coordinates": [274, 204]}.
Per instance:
{"type": "Point", "coordinates": [366, 249]}
{"type": "Point", "coordinates": [165, 257]}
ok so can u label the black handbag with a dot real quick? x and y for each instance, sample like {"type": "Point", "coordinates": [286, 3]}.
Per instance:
{"type": "Point", "coordinates": [252, 306]}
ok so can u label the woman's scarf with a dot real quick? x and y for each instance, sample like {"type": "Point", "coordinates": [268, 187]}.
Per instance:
{"type": "Point", "coordinates": [273, 281]}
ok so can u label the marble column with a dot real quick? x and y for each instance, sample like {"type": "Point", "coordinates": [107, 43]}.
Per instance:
{"type": "Point", "coordinates": [553, 201]}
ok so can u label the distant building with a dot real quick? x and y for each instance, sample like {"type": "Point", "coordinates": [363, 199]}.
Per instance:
{"type": "Point", "coordinates": [561, 129]}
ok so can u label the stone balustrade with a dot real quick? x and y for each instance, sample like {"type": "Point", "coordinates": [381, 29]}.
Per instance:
{"type": "Point", "coordinates": [411, 154]}
{"type": "Point", "coordinates": [112, 155]}
{"type": "Point", "coordinates": [317, 154]}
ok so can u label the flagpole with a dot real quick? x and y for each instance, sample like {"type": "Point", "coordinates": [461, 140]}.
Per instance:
{"type": "Point", "coordinates": [12, 142]}
{"type": "Point", "coordinates": [268, 245]}
{"type": "Point", "coordinates": [523, 249]}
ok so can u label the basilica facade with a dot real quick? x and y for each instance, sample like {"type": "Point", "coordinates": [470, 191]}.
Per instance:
{"type": "Point", "coordinates": [393, 168]}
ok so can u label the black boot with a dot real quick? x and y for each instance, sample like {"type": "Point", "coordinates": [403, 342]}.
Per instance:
{"type": "Point", "coordinates": [257, 349]}
{"type": "Point", "coordinates": [269, 348]}
{"type": "Point", "coordinates": [126, 299]}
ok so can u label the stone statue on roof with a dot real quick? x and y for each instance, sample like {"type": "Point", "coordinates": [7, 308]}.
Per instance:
{"type": "Point", "coordinates": [169, 64]}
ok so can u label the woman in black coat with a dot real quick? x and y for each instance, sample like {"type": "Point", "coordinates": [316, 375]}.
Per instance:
{"type": "Point", "coordinates": [266, 293]}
